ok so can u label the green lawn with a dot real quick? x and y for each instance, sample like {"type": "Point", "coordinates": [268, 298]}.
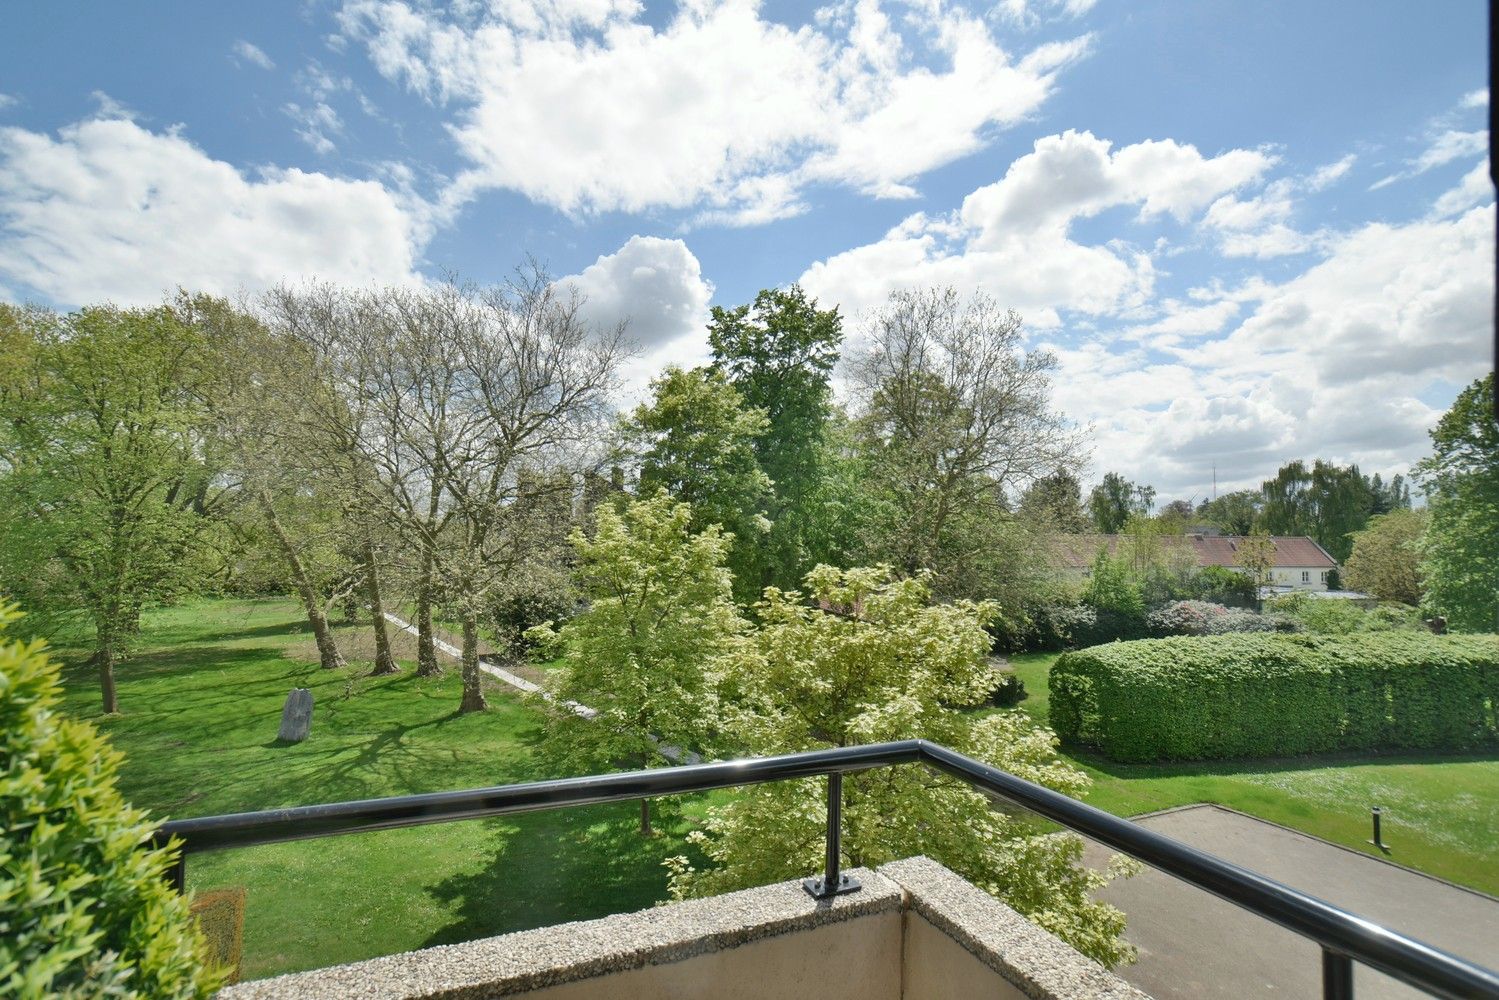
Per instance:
{"type": "Point", "coordinates": [201, 705]}
{"type": "Point", "coordinates": [1440, 811]}
{"type": "Point", "coordinates": [202, 702]}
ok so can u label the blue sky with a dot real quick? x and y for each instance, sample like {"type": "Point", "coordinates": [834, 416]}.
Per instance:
{"type": "Point", "coordinates": [1250, 232]}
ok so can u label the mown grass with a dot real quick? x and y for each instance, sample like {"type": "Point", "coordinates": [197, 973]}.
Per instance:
{"type": "Point", "coordinates": [1441, 811]}
{"type": "Point", "coordinates": [201, 703]}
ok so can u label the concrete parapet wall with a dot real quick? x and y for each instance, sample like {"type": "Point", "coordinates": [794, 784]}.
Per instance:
{"type": "Point", "coordinates": [915, 930]}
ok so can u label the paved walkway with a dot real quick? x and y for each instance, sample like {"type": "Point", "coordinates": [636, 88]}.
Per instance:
{"type": "Point", "coordinates": [1196, 945]}
{"type": "Point", "coordinates": [672, 753]}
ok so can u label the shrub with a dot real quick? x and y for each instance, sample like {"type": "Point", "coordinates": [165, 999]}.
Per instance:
{"type": "Point", "coordinates": [1222, 585]}
{"type": "Point", "coordinates": [1204, 618]}
{"type": "Point", "coordinates": [84, 910]}
{"type": "Point", "coordinates": [1334, 616]}
{"type": "Point", "coordinates": [1009, 692]}
{"type": "Point", "coordinates": [1055, 627]}
{"type": "Point", "coordinates": [524, 604]}
{"type": "Point", "coordinates": [1265, 695]}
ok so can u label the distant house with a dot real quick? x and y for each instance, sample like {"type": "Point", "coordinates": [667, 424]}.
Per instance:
{"type": "Point", "coordinates": [1298, 562]}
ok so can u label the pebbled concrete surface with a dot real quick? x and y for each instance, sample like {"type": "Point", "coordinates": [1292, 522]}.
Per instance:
{"type": "Point", "coordinates": [1196, 945]}
{"type": "Point", "coordinates": [1039, 965]}
{"type": "Point", "coordinates": [550, 956]}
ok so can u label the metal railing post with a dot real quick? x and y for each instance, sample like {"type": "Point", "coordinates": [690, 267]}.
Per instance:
{"type": "Point", "coordinates": [175, 873]}
{"type": "Point", "coordinates": [1337, 976]}
{"type": "Point", "coordinates": [833, 882]}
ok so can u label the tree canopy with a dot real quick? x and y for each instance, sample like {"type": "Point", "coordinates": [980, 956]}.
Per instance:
{"type": "Point", "coordinates": [1461, 479]}
{"type": "Point", "coordinates": [865, 657]}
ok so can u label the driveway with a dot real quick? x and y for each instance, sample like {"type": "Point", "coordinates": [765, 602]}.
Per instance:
{"type": "Point", "coordinates": [1196, 945]}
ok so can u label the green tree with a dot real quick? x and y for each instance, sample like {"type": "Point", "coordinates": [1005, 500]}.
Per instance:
{"type": "Point", "coordinates": [1391, 496]}
{"type": "Point", "coordinates": [955, 419]}
{"type": "Point", "coordinates": [1056, 501]}
{"type": "Point", "coordinates": [85, 909]}
{"type": "Point", "coordinates": [1112, 587]}
{"type": "Point", "coordinates": [695, 439]}
{"type": "Point", "coordinates": [869, 658]}
{"type": "Point", "coordinates": [1386, 557]}
{"type": "Point", "coordinates": [1255, 554]}
{"type": "Point", "coordinates": [779, 355]}
{"type": "Point", "coordinates": [1236, 513]}
{"type": "Point", "coordinates": [660, 612]}
{"type": "Point", "coordinates": [109, 487]}
{"type": "Point", "coordinates": [1327, 502]}
{"type": "Point", "coordinates": [1461, 480]}
{"type": "Point", "coordinates": [1114, 499]}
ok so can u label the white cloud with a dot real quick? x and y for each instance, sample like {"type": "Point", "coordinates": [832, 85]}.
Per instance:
{"type": "Point", "coordinates": [1448, 146]}
{"type": "Point", "coordinates": [654, 284]}
{"type": "Point", "coordinates": [1030, 13]}
{"type": "Point", "coordinates": [1474, 189]}
{"type": "Point", "coordinates": [108, 107]}
{"type": "Point", "coordinates": [1012, 238]}
{"type": "Point", "coordinates": [1329, 174]}
{"type": "Point", "coordinates": [316, 124]}
{"type": "Point", "coordinates": [252, 54]}
{"type": "Point", "coordinates": [109, 210]}
{"type": "Point", "coordinates": [585, 107]}
{"type": "Point", "coordinates": [7, 101]}
{"type": "Point", "coordinates": [1444, 142]}
{"type": "Point", "coordinates": [1332, 363]}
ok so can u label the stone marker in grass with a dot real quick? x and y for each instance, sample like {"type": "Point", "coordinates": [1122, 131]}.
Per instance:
{"type": "Point", "coordinates": [296, 717]}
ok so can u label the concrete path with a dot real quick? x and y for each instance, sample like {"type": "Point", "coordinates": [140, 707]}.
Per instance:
{"type": "Point", "coordinates": [1196, 945]}
{"type": "Point", "coordinates": [493, 670]}
{"type": "Point", "coordinates": [674, 754]}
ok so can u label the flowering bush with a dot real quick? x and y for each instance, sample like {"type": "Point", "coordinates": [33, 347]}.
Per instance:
{"type": "Point", "coordinates": [1206, 618]}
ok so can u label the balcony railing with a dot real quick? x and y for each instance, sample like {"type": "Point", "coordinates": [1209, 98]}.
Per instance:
{"type": "Point", "coordinates": [1344, 937]}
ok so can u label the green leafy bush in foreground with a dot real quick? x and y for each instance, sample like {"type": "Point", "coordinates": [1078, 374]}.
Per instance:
{"type": "Point", "coordinates": [1253, 695]}
{"type": "Point", "coordinates": [84, 911]}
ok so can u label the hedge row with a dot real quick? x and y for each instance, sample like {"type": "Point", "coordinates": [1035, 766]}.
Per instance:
{"type": "Point", "coordinates": [1253, 695]}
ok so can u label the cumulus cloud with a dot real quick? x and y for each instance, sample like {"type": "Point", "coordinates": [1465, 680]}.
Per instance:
{"type": "Point", "coordinates": [586, 107]}
{"type": "Point", "coordinates": [252, 54]}
{"type": "Point", "coordinates": [1013, 238]}
{"type": "Point", "coordinates": [654, 285]}
{"type": "Point", "coordinates": [110, 210]}
{"type": "Point", "coordinates": [1332, 363]}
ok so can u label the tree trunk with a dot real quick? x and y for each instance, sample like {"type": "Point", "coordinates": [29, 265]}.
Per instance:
{"type": "Point", "coordinates": [426, 652]}
{"type": "Point", "coordinates": [645, 818]}
{"type": "Point", "coordinates": [473, 696]}
{"type": "Point", "coordinates": [328, 653]}
{"type": "Point", "coordinates": [385, 661]}
{"type": "Point", "coordinates": [104, 656]}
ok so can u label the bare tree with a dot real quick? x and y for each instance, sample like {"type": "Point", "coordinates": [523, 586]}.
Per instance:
{"type": "Point", "coordinates": [322, 408]}
{"type": "Point", "coordinates": [477, 400]}
{"type": "Point", "coordinates": [956, 417]}
{"type": "Point", "coordinates": [262, 384]}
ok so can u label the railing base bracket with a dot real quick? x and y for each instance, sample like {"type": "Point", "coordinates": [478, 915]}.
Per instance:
{"type": "Point", "coordinates": [817, 888]}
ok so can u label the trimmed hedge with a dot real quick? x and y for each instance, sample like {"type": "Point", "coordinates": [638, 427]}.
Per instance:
{"type": "Point", "coordinates": [1254, 695]}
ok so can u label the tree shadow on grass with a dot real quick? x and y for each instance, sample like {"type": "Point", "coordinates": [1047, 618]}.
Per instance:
{"type": "Point", "coordinates": [562, 865]}
{"type": "Point", "coordinates": [1275, 765]}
